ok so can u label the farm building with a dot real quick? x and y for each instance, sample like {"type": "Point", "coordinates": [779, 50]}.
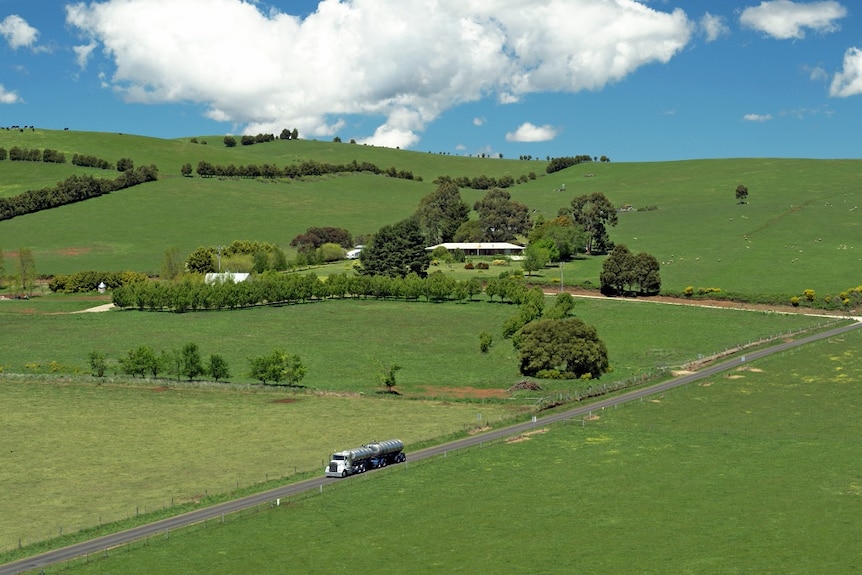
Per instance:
{"type": "Point", "coordinates": [224, 277]}
{"type": "Point", "coordinates": [482, 248]}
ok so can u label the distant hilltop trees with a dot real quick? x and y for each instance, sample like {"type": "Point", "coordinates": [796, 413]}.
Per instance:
{"type": "Point", "coordinates": [248, 140]}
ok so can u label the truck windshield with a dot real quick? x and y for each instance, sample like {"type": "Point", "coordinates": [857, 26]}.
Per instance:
{"type": "Point", "coordinates": [337, 457]}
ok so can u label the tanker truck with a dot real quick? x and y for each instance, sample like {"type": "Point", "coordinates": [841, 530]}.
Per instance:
{"type": "Point", "coordinates": [361, 459]}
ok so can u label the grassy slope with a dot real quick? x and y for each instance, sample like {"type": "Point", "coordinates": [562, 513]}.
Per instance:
{"type": "Point", "coordinates": [342, 341]}
{"type": "Point", "coordinates": [755, 473]}
{"type": "Point", "coordinates": [798, 231]}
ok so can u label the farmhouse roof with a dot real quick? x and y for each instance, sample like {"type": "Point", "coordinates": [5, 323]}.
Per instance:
{"type": "Point", "coordinates": [477, 246]}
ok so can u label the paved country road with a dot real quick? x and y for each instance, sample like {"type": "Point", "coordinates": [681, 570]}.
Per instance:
{"type": "Point", "coordinates": [100, 544]}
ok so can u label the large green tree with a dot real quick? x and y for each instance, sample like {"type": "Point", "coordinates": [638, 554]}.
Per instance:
{"type": "Point", "coordinates": [396, 250]}
{"type": "Point", "coordinates": [595, 214]}
{"type": "Point", "coordinates": [500, 217]}
{"type": "Point", "coordinates": [442, 212]}
{"type": "Point", "coordinates": [561, 347]}
{"type": "Point", "coordinates": [568, 237]}
{"type": "Point", "coordinates": [277, 368]}
{"type": "Point", "coordinates": [624, 272]}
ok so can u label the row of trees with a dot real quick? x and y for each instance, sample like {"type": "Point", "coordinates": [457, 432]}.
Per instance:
{"type": "Point", "coordinates": [306, 168]}
{"type": "Point", "coordinates": [18, 154]}
{"type": "Point", "coordinates": [87, 281]}
{"type": "Point", "coordinates": [192, 294]}
{"type": "Point", "coordinates": [73, 189]}
{"type": "Point", "coordinates": [274, 368]}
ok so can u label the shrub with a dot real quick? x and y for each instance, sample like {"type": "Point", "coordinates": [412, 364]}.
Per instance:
{"type": "Point", "coordinates": [468, 266]}
{"type": "Point", "coordinates": [485, 340]}
{"type": "Point", "coordinates": [688, 291]}
{"type": "Point", "coordinates": [482, 265]}
{"type": "Point", "coordinates": [794, 301]}
{"type": "Point", "coordinates": [809, 294]}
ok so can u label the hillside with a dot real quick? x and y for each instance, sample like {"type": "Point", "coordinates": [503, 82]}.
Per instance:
{"type": "Point", "coordinates": [799, 229]}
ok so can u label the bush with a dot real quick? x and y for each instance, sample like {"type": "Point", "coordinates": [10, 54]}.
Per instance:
{"type": "Point", "coordinates": [485, 340]}
{"type": "Point", "coordinates": [468, 266]}
{"type": "Point", "coordinates": [809, 294]}
{"type": "Point", "coordinates": [794, 301]}
{"type": "Point", "coordinates": [482, 265]}
{"type": "Point", "coordinates": [688, 291]}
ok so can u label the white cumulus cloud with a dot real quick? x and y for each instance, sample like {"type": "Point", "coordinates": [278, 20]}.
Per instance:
{"type": "Point", "coordinates": [757, 117]}
{"type": "Point", "coordinates": [18, 32]}
{"type": "Point", "coordinates": [527, 132]}
{"type": "Point", "coordinates": [7, 97]}
{"type": "Point", "coordinates": [404, 62]}
{"type": "Point", "coordinates": [848, 82]}
{"type": "Point", "coordinates": [783, 19]}
{"type": "Point", "coordinates": [713, 27]}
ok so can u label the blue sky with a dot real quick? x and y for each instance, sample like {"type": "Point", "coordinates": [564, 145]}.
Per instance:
{"type": "Point", "coordinates": [636, 81]}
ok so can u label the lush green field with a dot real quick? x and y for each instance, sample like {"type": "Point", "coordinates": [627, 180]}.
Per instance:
{"type": "Point", "coordinates": [77, 455]}
{"type": "Point", "coordinates": [343, 342]}
{"type": "Point", "coordinates": [755, 471]}
{"type": "Point", "coordinates": [799, 229]}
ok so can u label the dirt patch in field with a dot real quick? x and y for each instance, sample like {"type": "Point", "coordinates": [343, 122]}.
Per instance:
{"type": "Point", "coordinates": [705, 384]}
{"type": "Point", "coordinates": [735, 376]}
{"type": "Point", "coordinates": [285, 400]}
{"type": "Point", "coordinates": [481, 429]}
{"type": "Point", "coordinates": [161, 389]}
{"type": "Point", "coordinates": [592, 417]}
{"type": "Point", "coordinates": [526, 436]}
{"type": "Point", "coordinates": [466, 392]}
{"type": "Point", "coordinates": [679, 372]}
{"type": "Point", "coordinates": [72, 251]}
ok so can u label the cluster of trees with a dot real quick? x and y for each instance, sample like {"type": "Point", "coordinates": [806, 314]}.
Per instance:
{"type": "Point", "coordinates": [192, 294]}
{"type": "Point", "coordinates": [307, 168]}
{"type": "Point", "coordinates": [273, 368]}
{"type": "Point", "coordinates": [594, 213]}
{"type": "Point", "coordinates": [73, 189]}
{"type": "Point", "coordinates": [624, 273]}
{"type": "Point", "coordinates": [248, 140]}
{"type": "Point", "coordinates": [484, 182]}
{"type": "Point", "coordinates": [240, 255]}
{"type": "Point", "coordinates": [91, 162]}
{"type": "Point", "coordinates": [321, 244]}
{"type": "Point", "coordinates": [557, 164]}
{"type": "Point", "coordinates": [18, 154]}
{"type": "Point", "coordinates": [87, 281]}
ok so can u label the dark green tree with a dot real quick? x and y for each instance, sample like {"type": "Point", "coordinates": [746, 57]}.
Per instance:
{"type": "Point", "coordinates": [562, 308]}
{"type": "Point", "coordinates": [396, 250]}
{"type": "Point", "coordinates": [191, 361]}
{"type": "Point", "coordinates": [741, 194]}
{"type": "Point", "coordinates": [595, 214]}
{"type": "Point", "coordinates": [616, 275]}
{"type": "Point", "coordinates": [125, 165]}
{"type": "Point", "coordinates": [186, 170]}
{"type": "Point", "coordinates": [201, 261]}
{"type": "Point", "coordinates": [645, 274]}
{"type": "Point", "coordinates": [469, 231]}
{"type": "Point", "coordinates": [567, 347]}
{"type": "Point", "coordinates": [229, 141]}
{"type": "Point", "coordinates": [500, 217]}
{"type": "Point", "coordinates": [442, 212]}
{"type": "Point", "coordinates": [218, 368]}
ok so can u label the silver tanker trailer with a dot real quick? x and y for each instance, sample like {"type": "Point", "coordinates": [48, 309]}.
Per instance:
{"type": "Point", "coordinates": [361, 459]}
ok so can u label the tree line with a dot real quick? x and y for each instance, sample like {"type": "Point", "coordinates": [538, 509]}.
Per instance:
{"type": "Point", "coordinates": [192, 294]}
{"type": "Point", "coordinates": [274, 368]}
{"type": "Point", "coordinates": [73, 189]}
{"type": "Point", "coordinates": [307, 168]}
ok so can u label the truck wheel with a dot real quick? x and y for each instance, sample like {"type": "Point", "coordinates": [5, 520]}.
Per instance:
{"type": "Point", "coordinates": [343, 474]}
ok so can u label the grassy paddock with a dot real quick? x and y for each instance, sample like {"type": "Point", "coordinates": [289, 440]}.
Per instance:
{"type": "Point", "coordinates": [755, 471]}
{"type": "Point", "coordinates": [79, 455]}
{"type": "Point", "coordinates": [342, 342]}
